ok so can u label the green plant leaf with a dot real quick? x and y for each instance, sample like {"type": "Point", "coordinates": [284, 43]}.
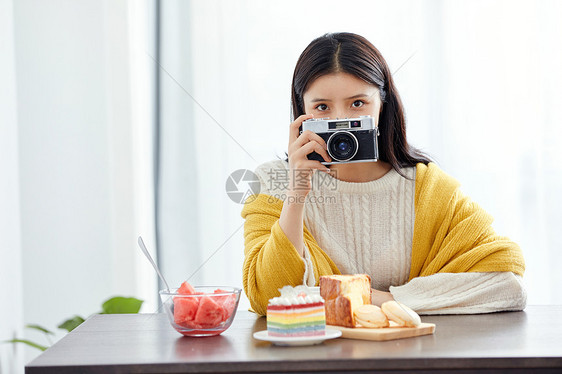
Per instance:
{"type": "Point", "coordinates": [28, 342]}
{"type": "Point", "coordinates": [118, 305]}
{"type": "Point", "coordinates": [71, 323]}
{"type": "Point", "coordinates": [40, 328]}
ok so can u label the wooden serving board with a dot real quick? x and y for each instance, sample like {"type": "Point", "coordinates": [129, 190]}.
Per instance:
{"type": "Point", "coordinates": [385, 333]}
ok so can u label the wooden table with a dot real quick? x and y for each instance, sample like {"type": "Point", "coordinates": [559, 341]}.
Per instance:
{"type": "Point", "coordinates": [529, 341]}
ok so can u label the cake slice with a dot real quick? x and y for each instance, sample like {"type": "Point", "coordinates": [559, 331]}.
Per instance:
{"type": "Point", "coordinates": [297, 312]}
{"type": "Point", "coordinates": [343, 294]}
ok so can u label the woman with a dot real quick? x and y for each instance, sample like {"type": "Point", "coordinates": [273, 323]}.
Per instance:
{"type": "Point", "coordinates": [401, 220]}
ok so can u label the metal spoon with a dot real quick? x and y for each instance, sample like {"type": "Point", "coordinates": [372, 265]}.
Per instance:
{"type": "Point", "coordinates": [145, 251]}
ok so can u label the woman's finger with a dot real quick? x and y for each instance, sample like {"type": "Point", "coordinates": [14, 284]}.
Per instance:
{"type": "Point", "coordinates": [294, 127]}
{"type": "Point", "coordinates": [307, 136]}
{"type": "Point", "coordinates": [312, 146]}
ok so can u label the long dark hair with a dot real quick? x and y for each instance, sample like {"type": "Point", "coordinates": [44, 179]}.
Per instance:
{"type": "Point", "coordinates": [355, 55]}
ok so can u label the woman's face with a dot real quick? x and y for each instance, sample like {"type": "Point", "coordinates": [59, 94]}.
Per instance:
{"type": "Point", "coordinates": [342, 95]}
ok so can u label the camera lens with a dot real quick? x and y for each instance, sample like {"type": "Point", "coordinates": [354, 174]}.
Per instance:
{"type": "Point", "coordinates": [342, 146]}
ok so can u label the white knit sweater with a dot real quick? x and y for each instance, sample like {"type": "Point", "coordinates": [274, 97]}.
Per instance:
{"type": "Point", "coordinates": [368, 228]}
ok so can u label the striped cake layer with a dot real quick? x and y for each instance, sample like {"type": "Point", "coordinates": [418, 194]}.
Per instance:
{"type": "Point", "coordinates": [294, 306]}
{"type": "Point", "coordinates": [296, 313]}
{"type": "Point", "coordinates": [319, 331]}
{"type": "Point", "coordinates": [292, 316]}
{"type": "Point", "coordinates": [295, 324]}
{"type": "Point", "coordinates": [296, 320]}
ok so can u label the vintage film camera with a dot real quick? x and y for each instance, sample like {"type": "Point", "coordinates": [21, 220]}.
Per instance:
{"type": "Point", "coordinates": [347, 140]}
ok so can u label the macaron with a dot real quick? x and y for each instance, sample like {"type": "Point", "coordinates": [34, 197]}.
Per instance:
{"type": "Point", "coordinates": [370, 316]}
{"type": "Point", "coordinates": [401, 314]}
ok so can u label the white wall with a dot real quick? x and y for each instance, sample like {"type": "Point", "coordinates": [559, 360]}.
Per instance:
{"type": "Point", "coordinates": [11, 356]}
{"type": "Point", "coordinates": [81, 206]}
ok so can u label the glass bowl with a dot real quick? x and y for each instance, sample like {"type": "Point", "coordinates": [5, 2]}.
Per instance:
{"type": "Point", "coordinates": [210, 311]}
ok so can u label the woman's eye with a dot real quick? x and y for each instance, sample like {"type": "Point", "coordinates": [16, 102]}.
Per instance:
{"type": "Point", "coordinates": [357, 104]}
{"type": "Point", "coordinates": [322, 107]}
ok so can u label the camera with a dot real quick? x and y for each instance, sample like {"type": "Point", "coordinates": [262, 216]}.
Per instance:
{"type": "Point", "coordinates": [348, 140]}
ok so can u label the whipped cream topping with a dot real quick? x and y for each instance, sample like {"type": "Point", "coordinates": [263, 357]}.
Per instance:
{"type": "Point", "coordinates": [296, 296]}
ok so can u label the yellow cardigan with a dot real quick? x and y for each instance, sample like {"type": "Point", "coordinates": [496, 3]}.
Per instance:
{"type": "Point", "coordinates": [452, 234]}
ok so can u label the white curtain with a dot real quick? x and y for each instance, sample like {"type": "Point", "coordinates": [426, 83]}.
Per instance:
{"type": "Point", "coordinates": [480, 81]}
{"type": "Point", "coordinates": [76, 161]}
{"type": "Point", "coordinates": [11, 326]}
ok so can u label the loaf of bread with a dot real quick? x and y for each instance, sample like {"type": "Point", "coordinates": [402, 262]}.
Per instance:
{"type": "Point", "coordinates": [343, 294]}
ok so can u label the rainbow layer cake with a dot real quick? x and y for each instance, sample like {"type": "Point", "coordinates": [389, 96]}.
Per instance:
{"type": "Point", "coordinates": [297, 312]}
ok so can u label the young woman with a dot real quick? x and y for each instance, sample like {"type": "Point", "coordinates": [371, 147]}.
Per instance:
{"type": "Point", "coordinates": [401, 220]}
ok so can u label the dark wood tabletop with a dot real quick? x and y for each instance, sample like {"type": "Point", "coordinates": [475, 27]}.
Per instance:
{"type": "Point", "coordinates": [529, 341]}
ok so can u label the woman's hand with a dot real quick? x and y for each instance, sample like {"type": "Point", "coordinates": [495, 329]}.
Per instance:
{"type": "Point", "coordinates": [300, 167]}
{"type": "Point", "coordinates": [300, 172]}
{"type": "Point", "coordinates": [379, 297]}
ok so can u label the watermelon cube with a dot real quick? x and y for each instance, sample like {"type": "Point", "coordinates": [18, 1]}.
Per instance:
{"type": "Point", "coordinates": [185, 309]}
{"type": "Point", "coordinates": [227, 301]}
{"type": "Point", "coordinates": [221, 298]}
{"type": "Point", "coordinates": [210, 313]}
{"type": "Point", "coordinates": [229, 304]}
{"type": "Point", "coordinates": [186, 289]}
